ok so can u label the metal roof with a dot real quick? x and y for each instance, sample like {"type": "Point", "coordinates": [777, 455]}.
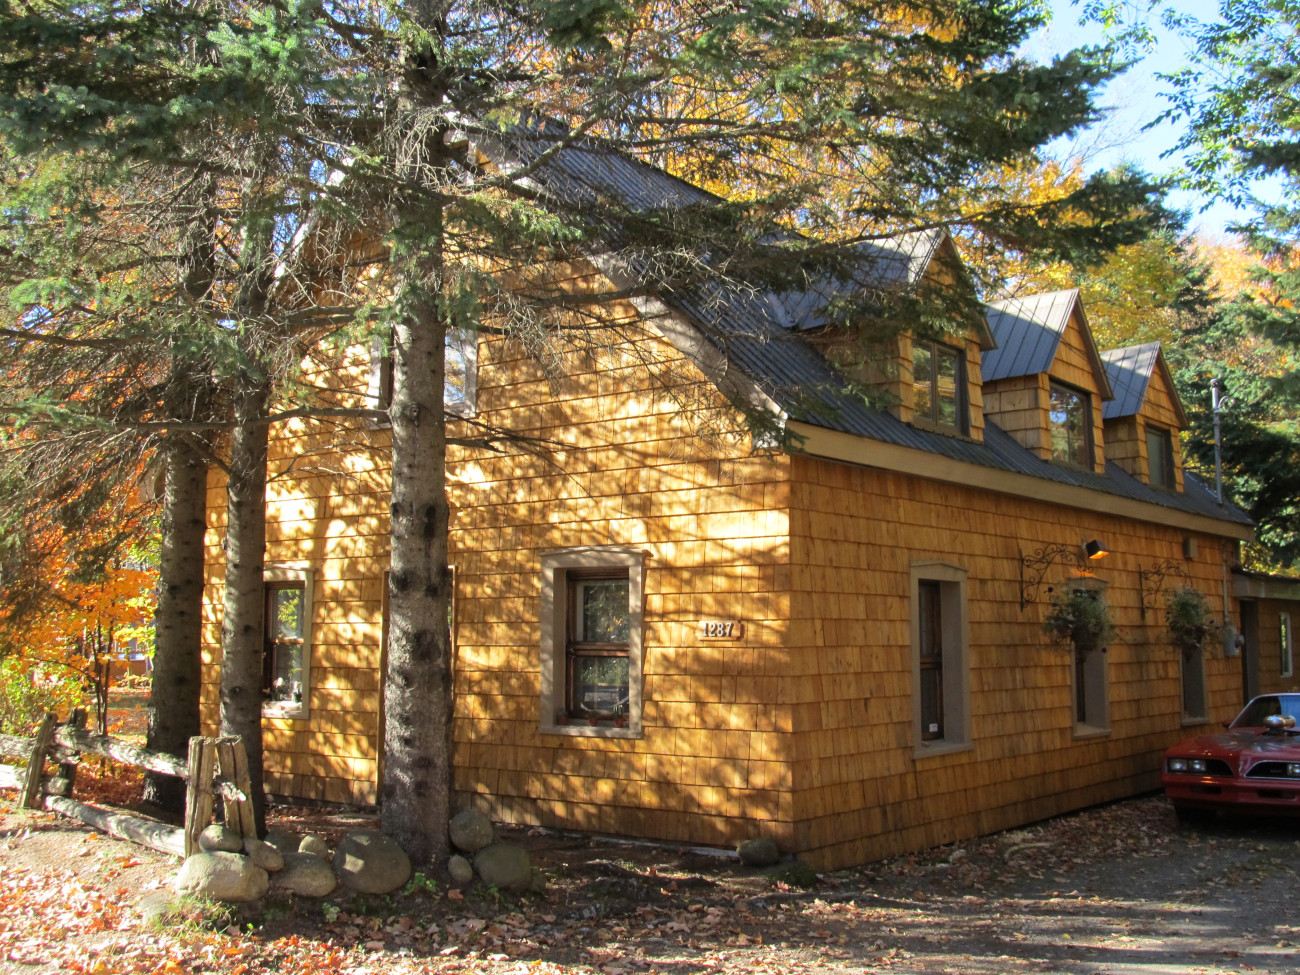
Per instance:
{"type": "Point", "coordinates": [1129, 370]}
{"type": "Point", "coordinates": [762, 334]}
{"type": "Point", "coordinates": [1028, 332]}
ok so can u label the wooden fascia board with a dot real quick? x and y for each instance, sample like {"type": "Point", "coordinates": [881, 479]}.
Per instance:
{"type": "Point", "coordinates": [845, 447]}
{"type": "Point", "coordinates": [1246, 586]}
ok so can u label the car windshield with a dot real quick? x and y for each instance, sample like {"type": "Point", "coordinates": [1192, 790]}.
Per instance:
{"type": "Point", "coordinates": [1262, 707]}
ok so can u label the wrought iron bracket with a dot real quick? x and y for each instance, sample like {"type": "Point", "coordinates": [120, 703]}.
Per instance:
{"type": "Point", "coordinates": [1033, 567]}
{"type": "Point", "coordinates": [1151, 581]}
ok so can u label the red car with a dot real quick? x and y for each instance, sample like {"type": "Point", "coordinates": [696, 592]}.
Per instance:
{"type": "Point", "coordinates": [1253, 766]}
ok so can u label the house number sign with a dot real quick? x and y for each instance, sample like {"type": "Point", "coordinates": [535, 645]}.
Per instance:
{"type": "Point", "coordinates": [721, 629]}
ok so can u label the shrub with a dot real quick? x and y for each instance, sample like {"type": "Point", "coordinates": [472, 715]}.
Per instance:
{"type": "Point", "coordinates": [27, 691]}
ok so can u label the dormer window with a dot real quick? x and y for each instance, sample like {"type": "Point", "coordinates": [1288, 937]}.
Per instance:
{"type": "Point", "coordinates": [1070, 420]}
{"type": "Point", "coordinates": [1160, 459]}
{"type": "Point", "coordinates": [939, 386]}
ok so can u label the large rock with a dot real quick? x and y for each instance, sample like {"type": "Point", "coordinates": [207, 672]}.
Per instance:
{"type": "Point", "coordinates": [369, 862]}
{"type": "Point", "coordinates": [504, 867]}
{"type": "Point", "coordinates": [471, 831]}
{"type": "Point", "coordinates": [461, 870]}
{"type": "Point", "coordinates": [761, 851]}
{"type": "Point", "coordinates": [263, 854]}
{"type": "Point", "coordinates": [222, 876]}
{"type": "Point", "coordinates": [314, 844]}
{"type": "Point", "coordinates": [217, 837]}
{"type": "Point", "coordinates": [283, 840]}
{"type": "Point", "coordinates": [307, 875]}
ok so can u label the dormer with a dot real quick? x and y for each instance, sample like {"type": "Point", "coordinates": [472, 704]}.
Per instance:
{"type": "Point", "coordinates": [927, 377]}
{"type": "Point", "coordinates": [1145, 417]}
{"type": "Point", "coordinates": [1045, 383]}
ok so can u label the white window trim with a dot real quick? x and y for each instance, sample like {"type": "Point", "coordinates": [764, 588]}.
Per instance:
{"type": "Point", "coordinates": [956, 672]}
{"type": "Point", "coordinates": [294, 572]}
{"type": "Point", "coordinates": [380, 376]}
{"type": "Point", "coordinates": [555, 567]}
{"type": "Point", "coordinates": [1286, 647]}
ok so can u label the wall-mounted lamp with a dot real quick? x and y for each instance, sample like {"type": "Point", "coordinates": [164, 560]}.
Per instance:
{"type": "Point", "coordinates": [1034, 567]}
{"type": "Point", "coordinates": [1095, 549]}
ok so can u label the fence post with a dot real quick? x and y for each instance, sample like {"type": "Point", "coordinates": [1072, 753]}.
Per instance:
{"type": "Point", "coordinates": [232, 762]}
{"type": "Point", "coordinates": [198, 791]}
{"type": "Point", "coordinates": [63, 782]}
{"type": "Point", "coordinates": [36, 765]}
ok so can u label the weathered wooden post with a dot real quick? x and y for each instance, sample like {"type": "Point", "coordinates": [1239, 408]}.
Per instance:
{"type": "Point", "coordinates": [232, 763]}
{"type": "Point", "coordinates": [31, 798]}
{"type": "Point", "coordinates": [63, 783]}
{"type": "Point", "coordinates": [198, 790]}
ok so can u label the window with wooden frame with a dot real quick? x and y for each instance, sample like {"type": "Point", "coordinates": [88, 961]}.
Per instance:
{"type": "Point", "coordinates": [1160, 459]}
{"type": "Point", "coordinates": [286, 641]}
{"type": "Point", "coordinates": [460, 384]}
{"type": "Point", "coordinates": [1070, 425]}
{"type": "Point", "coordinates": [1090, 679]}
{"type": "Point", "coordinates": [591, 653]}
{"type": "Point", "coordinates": [940, 665]}
{"type": "Point", "coordinates": [1287, 668]}
{"type": "Point", "coordinates": [939, 386]}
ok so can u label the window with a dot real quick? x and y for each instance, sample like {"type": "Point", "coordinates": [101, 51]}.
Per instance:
{"type": "Point", "coordinates": [460, 384]}
{"type": "Point", "coordinates": [1070, 418]}
{"type": "Point", "coordinates": [286, 656]}
{"type": "Point", "coordinates": [1091, 691]}
{"type": "Point", "coordinates": [591, 653]}
{"type": "Point", "coordinates": [1194, 685]}
{"type": "Point", "coordinates": [940, 667]}
{"type": "Point", "coordinates": [939, 386]}
{"type": "Point", "coordinates": [1284, 643]}
{"type": "Point", "coordinates": [1160, 459]}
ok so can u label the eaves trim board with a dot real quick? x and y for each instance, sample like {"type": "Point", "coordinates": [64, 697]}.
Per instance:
{"type": "Point", "coordinates": [847, 448]}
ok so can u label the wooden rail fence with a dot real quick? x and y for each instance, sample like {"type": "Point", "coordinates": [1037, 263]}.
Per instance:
{"type": "Point", "coordinates": [214, 768]}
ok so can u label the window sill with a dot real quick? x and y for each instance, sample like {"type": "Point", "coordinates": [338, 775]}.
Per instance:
{"type": "Point", "coordinates": [285, 711]}
{"type": "Point", "coordinates": [937, 749]}
{"type": "Point", "coordinates": [587, 731]}
{"type": "Point", "coordinates": [1191, 720]}
{"type": "Point", "coordinates": [1090, 731]}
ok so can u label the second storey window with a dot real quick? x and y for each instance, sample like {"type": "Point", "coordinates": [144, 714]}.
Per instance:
{"type": "Point", "coordinates": [939, 386]}
{"type": "Point", "coordinates": [1160, 458]}
{"type": "Point", "coordinates": [1070, 419]}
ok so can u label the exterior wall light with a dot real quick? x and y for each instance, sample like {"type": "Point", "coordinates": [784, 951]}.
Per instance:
{"type": "Point", "coordinates": [1095, 549]}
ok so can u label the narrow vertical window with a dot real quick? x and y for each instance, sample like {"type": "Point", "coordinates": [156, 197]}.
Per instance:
{"type": "Point", "coordinates": [1070, 420]}
{"type": "Point", "coordinates": [1284, 642]}
{"type": "Point", "coordinates": [597, 650]}
{"type": "Point", "coordinates": [939, 386]}
{"type": "Point", "coordinates": [930, 650]}
{"type": "Point", "coordinates": [283, 679]}
{"type": "Point", "coordinates": [1160, 459]}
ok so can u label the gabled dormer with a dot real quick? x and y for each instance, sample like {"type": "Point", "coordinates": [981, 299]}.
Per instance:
{"type": "Point", "coordinates": [1045, 383]}
{"type": "Point", "coordinates": [1144, 419]}
{"type": "Point", "coordinates": [928, 377]}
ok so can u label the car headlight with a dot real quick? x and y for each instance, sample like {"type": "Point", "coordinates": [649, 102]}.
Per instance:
{"type": "Point", "coordinates": [1176, 765]}
{"type": "Point", "coordinates": [1293, 770]}
{"type": "Point", "coordinates": [1196, 765]}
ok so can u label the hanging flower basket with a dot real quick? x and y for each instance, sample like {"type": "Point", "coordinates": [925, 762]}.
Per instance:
{"type": "Point", "coordinates": [1079, 618]}
{"type": "Point", "coordinates": [1187, 614]}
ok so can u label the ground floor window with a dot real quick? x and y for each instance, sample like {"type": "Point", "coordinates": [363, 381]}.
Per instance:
{"type": "Point", "coordinates": [1091, 683]}
{"type": "Point", "coordinates": [286, 634]}
{"type": "Point", "coordinates": [940, 664]}
{"type": "Point", "coordinates": [1194, 684]}
{"type": "Point", "coordinates": [1284, 644]}
{"type": "Point", "coordinates": [591, 652]}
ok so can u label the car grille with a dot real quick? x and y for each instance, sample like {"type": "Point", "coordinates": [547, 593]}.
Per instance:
{"type": "Point", "coordinates": [1217, 766]}
{"type": "Point", "coordinates": [1269, 770]}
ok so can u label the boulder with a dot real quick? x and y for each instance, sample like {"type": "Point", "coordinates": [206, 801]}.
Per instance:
{"type": "Point", "coordinates": [283, 840]}
{"type": "Point", "coordinates": [222, 876]}
{"type": "Point", "coordinates": [504, 867]}
{"type": "Point", "coordinates": [263, 854]}
{"type": "Point", "coordinates": [315, 845]}
{"type": "Point", "coordinates": [760, 851]}
{"type": "Point", "coordinates": [158, 907]}
{"type": "Point", "coordinates": [369, 862]}
{"type": "Point", "coordinates": [461, 870]}
{"type": "Point", "coordinates": [221, 838]}
{"type": "Point", "coordinates": [471, 831]}
{"type": "Point", "coordinates": [306, 875]}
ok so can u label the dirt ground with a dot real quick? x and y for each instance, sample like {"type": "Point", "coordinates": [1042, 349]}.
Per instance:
{"type": "Point", "coordinates": [1116, 889]}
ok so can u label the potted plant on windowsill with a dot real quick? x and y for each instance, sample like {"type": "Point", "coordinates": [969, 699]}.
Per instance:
{"type": "Point", "coordinates": [562, 717]}
{"type": "Point", "coordinates": [1187, 614]}
{"type": "Point", "coordinates": [1080, 618]}
{"type": "Point", "coordinates": [619, 714]}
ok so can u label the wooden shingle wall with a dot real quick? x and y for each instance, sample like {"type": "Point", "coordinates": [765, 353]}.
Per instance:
{"type": "Point", "coordinates": [861, 792]}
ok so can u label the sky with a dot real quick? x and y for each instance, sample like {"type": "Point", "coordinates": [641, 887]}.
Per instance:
{"type": "Point", "coordinates": [1135, 102]}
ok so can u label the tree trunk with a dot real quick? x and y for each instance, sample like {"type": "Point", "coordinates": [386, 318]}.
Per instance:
{"type": "Point", "coordinates": [242, 623]}
{"type": "Point", "coordinates": [416, 793]}
{"type": "Point", "coordinates": [178, 620]}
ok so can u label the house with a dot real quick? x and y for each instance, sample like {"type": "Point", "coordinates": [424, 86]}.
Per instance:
{"type": "Point", "coordinates": [666, 630]}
